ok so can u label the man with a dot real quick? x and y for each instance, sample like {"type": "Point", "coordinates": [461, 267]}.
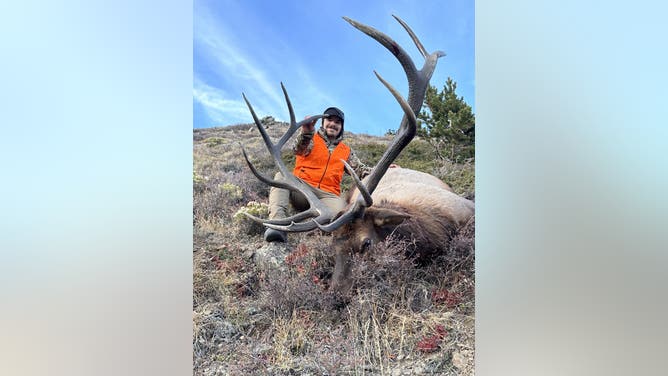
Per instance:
{"type": "Point", "coordinates": [318, 163]}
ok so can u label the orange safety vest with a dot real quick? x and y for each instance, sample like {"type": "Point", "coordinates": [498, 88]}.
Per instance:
{"type": "Point", "coordinates": [320, 168]}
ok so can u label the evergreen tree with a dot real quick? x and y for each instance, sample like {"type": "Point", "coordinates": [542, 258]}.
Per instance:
{"type": "Point", "coordinates": [448, 123]}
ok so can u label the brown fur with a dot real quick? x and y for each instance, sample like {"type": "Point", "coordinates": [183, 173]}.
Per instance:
{"type": "Point", "coordinates": [411, 204]}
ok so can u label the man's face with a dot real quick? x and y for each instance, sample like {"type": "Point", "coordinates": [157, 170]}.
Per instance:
{"type": "Point", "coordinates": [332, 125]}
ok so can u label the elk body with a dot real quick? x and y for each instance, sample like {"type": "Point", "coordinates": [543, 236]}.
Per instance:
{"type": "Point", "coordinates": [410, 203]}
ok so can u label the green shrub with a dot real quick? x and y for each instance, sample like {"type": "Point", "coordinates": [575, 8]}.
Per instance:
{"type": "Point", "coordinates": [214, 141]}
{"type": "Point", "coordinates": [370, 153]}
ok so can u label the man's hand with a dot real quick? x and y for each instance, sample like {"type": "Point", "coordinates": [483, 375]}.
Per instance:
{"type": "Point", "coordinates": [309, 127]}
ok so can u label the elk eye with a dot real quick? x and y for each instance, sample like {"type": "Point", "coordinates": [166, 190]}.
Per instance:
{"type": "Point", "coordinates": [366, 244]}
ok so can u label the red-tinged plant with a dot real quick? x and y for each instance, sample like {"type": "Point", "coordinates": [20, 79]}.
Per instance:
{"type": "Point", "coordinates": [439, 296]}
{"type": "Point", "coordinates": [242, 290]}
{"type": "Point", "coordinates": [217, 262]}
{"type": "Point", "coordinates": [440, 331]}
{"type": "Point", "coordinates": [452, 300]}
{"type": "Point", "coordinates": [442, 296]}
{"type": "Point", "coordinates": [229, 265]}
{"type": "Point", "coordinates": [431, 343]}
{"type": "Point", "coordinates": [304, 318]}
{"type": "Point", "coordinates": [297, 255]}
{"type": "Point", "coordinates": [428, 344]}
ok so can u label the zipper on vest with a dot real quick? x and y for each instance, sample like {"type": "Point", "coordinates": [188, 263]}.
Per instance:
{"type": "Point", "coordinates": [326, 166]}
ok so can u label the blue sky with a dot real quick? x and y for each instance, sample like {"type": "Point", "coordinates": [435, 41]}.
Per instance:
{"type": "Point", "coordinates": [253, 46]}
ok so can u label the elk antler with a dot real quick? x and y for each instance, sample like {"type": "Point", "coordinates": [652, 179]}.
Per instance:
{"type": "Point", "coordinates": [317, 209]}
{"type": "Point", "coordinates": [418, 81]}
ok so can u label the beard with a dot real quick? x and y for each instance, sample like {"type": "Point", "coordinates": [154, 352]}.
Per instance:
{"type": "Point", "coordinates": [332, 132]}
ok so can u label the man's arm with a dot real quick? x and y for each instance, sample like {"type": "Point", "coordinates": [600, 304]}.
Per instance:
{"type": "Point", "coordinates": [304, 142]}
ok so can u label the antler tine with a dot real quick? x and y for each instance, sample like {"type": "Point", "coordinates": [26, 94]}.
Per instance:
{"type": "Point", "coordinates": [417, 80]}
{"type": "Point", "coordinates": [300, 226]}
{"type": "Point", "coordinates": [261, 177]}
{"type": "Point", "coordinates": [396, 50]}
{"type": "Point", "coordinates": [296, 227]}
{"type": "Point", "coordinates": [287, 100]}
{"type": "Point", "coordinates": [401, 140]}
{"type": "Point", "coordinates": [258, 124]}
{"type": "Point", "coordinates": [293, 124]}
{"type": "Point", "coordinates": [353, 212]}
{"type": "Point", "coordinates": [414, 37]}
{"type": "Point", "coordinates": [274, 151]}
{"type": "Point", "coordinates": [368, 201]}
{"type": "Point", "coordinates": [282, 221]}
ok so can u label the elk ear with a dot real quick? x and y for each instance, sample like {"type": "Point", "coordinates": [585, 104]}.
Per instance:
{"type": "Point", "coordinates": [383, 217]}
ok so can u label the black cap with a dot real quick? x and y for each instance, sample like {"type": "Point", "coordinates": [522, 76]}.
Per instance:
{"type": "Point", "coordinates": [336, 112]}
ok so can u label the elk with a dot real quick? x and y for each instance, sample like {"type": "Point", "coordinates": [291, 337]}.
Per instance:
{"type": "Point", "coordinates": [412, 204]}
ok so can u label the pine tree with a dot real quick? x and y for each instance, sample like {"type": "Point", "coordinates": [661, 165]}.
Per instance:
{"type": "Point", "coordinates": [447, 123]}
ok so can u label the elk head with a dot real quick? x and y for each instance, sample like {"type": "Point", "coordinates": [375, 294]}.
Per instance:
{"type": "Point", "coordinates": [360, 225]}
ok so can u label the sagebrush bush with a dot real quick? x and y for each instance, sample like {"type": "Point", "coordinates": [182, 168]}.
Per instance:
{"type": "Point", "coordinates": [247, 225]}
{"type": "Point", "coordinates": [258, 209]}
{"type": "Point", "coordinates": [232, 191]}
{"type": "Point", "coordinates": [214, 141]}
{"type": "Point", "coordinates": [460, 176]}
{"type": "Point", "coordinates": [199, 182]}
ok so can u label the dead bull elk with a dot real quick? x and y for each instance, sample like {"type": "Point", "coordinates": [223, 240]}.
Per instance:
{"type": "Point", "coordinates": [427, 210]}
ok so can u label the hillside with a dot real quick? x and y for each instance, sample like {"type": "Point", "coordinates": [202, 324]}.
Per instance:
{"type": "Point", "coordinates": [263, 309]}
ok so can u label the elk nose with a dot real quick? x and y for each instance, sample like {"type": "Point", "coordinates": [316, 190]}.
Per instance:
{"type": "Point", "coordinates": [366, 244]}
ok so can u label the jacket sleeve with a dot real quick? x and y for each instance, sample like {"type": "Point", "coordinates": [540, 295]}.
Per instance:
{"type": "Point", "coordinates": [360, 168]}
{"type": "Point", "coordinates": [303, 144]}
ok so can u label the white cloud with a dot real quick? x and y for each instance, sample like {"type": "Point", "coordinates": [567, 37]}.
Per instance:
{"type": "Point", "coordinates": [220, 110]}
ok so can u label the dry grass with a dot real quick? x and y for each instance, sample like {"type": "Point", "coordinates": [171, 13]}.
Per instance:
{"type": "Point", "coordinates": [400, 318]}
